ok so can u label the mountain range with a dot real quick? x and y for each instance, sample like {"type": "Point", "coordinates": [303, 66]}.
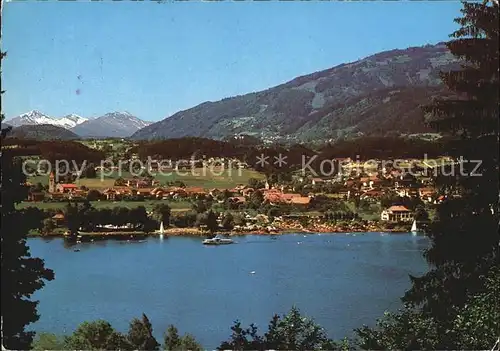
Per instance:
{"type": "Point", "coordinates": [36, 117]}
{"type": "Point", "coordinates": [113, 124]}
{"type": "Point", "coordinates": [379, 95]}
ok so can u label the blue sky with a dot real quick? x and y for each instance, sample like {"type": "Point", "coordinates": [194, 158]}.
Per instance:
{"type": "Point", "coordinates": [154, 59]}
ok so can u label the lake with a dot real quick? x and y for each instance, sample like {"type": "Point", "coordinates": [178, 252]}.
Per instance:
{"type": "Point", "coordinates": [341, 280]}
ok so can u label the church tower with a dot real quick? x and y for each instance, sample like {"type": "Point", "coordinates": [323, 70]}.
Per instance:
{"type": "Point", "coordinates": [52, 183]}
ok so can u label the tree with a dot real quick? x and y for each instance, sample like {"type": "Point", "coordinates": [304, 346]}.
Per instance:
{"type": "Point", "coordinates": [173, 341]}
{"type": "Point", "coordinates": [97, 335]}
{"type": "Point", "coordinates": [21, 274]}
{"type": "Point", "coordinates": [48, 226]}
{"type": "Point", "coordinates": [89, 171]}
{"type": "Point", "coordinates": [464, 237]}
{"type": "Point", "coordinates": [162, 213]}
{"type": "Point", "coordinates": [211, 223]}
{"type": "Point", "coordinates": [294, 332]}
{"type": "Point", "coordinates": [446, 307]}
{"type": "Point", "coordinates": [38, 187]}
{"type": "Point", "coordinates": [226, 194]}
{"type": "Point", "coordinates": [200, 206]}
{"type": "Point", "coordinates": [289, 332]}
{"type": "Point", "coordinates": [93, 195]}
{"type": "Point", "coordinates": [183, 220]}
{"type": "Point", "coordinates": [272, 213]}
{"type": "Point", "coordinates": [238, 219]}
{"type": "Point", "coordinates": [255, 183]}
{"type": "Point", "coordinates": [138, 216]}
{"type": "Point", "coordinates": [474, 327]}
{"type": "Point", "coordinates": [256, 199]}
{"type": "Point", "coordinates": [421, 214]}
{"type": "Point", "coordinates": [47, 341]}
{"type": "Point", "coordinates": [33, 217]}
{"type": "Point", "coordinates": [72, 217]}
{"type": "Point", "coordinates": [243, 339]}
{"type": "Point", "coordinates": [140, 334]}
{"type": "Point", "coordinates": [228, 221]}
{"type": "Point", "coordinates": [188, 342]}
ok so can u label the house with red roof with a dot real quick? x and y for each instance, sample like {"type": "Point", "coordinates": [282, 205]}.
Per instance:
{"type": "Point", "coordinates": [301, 201]}
{"type": "Point", "coordinates": [397, 214]}
{"type": "Point", "coordinates": [59, 218]}
{"type": "Point", "coordinates": [66, 188]}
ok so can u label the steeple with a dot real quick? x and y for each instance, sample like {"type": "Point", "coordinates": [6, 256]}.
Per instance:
{"type": "Point", "coordinates": [52, 183]}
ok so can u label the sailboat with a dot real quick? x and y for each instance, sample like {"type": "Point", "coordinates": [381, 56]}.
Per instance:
{"type": "Point", "coordinates": [414, 229]}
{"type": "Point", "coordinates": [162, 230]}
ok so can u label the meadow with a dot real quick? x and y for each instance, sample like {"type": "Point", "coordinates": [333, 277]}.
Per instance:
{"type": "Point", "coordinates": [199, 177]}
{"type": "Point", "coordinates": [176, 206]}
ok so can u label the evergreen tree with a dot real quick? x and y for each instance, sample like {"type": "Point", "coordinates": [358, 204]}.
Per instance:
{"type": "Point", "coordinates": [474, 326]}
{"type": "Point", "coordinates": [464, 236]}
{"type": "Point", "coordinates": [47, 341]}
{"type": "Point", "coordinates": [162, 213]}
{"type": "Point", "coordinates": [73, 218]}
{"type": "Point", "coordinates": [228, 221]}
{"type": "Point", "coordinates": [289, 332]}
{"type": "Point", "coordinates": [140, 334]}
{"type": "Point", "coordinates": [189, 343]}
{"type": "Point", "coordinates": [212, 224]}
{"type": "Point", "coordinates": [447, 307]}
{"type": "Point", "coordinates": [21, 274]}
{"type": "Point", "coordinates": [172, 340]}
{"type": "Point", "coordinates": [97, 335]}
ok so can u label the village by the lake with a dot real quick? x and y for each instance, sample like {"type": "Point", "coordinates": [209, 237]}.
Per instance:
{"type": "Point", "coordinates": [226, 195]}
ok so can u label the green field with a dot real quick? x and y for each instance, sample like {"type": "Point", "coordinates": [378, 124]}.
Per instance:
{"type": "Point", "coordinates": [39, 179]}
{"type": "Point", "coordinates": [208, 180]}
{"type": "Point", "coordinates": [197, 177]}
{"type": "Point", "coordinates": [177, 206]}
{"type": "Point", "coordinates": [370, 215]}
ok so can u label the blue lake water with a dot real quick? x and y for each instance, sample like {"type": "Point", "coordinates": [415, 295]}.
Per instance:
{"type": "Point", "coordinates": [341, 280]}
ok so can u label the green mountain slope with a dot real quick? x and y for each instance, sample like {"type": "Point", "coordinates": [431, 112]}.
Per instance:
{"type": "Point", "coordinates": [42, 132]}
{"type": "Point", "coordinates": [373, 96]}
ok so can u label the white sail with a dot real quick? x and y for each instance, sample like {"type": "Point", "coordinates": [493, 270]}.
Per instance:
{"type": "Point", "coordinates": [414, 227]}
{"type": "Point", "coordinates": [162, 230]}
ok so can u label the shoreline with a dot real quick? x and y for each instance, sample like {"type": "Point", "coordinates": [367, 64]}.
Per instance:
{"type": "Point", "coordinates": [195, 232]}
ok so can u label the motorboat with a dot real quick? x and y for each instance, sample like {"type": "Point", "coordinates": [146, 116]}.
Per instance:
{"type": "Point", "coordinates": [218, 240]}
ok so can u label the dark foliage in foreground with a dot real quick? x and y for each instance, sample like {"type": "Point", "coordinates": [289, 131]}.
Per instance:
{"type": "Point", "coordinates": [288, 332]}
{"type": "Point", "coordinates": [456, 304]}
{"type": "Point", "coordinates": [100, 335]}
{"type": "Point", "coordinates": [22, 275]}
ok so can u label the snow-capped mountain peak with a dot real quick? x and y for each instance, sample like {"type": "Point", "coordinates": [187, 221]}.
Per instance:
{"type": "Point", "coordinates": [36, 117]}
{"type": "Point", "coordinates": [113, 124]}
{"type": "Point", "coordinates": [126, 118]}
{"type": "Point", "coordinates": [33, 117]}
{"type": "Point", "coordinates": [72, 120]}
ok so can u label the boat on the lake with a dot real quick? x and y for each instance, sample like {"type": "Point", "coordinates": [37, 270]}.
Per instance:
{"type": "Point", "coordinates": [161, 231]}
{"type": "Point", "coordinates": [218, 240]}
{"type": "Point", "coordinates": [414, 228]}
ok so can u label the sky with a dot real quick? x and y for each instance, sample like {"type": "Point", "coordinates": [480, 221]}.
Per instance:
{"type": "Point", "coordinates": [153, 59]}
